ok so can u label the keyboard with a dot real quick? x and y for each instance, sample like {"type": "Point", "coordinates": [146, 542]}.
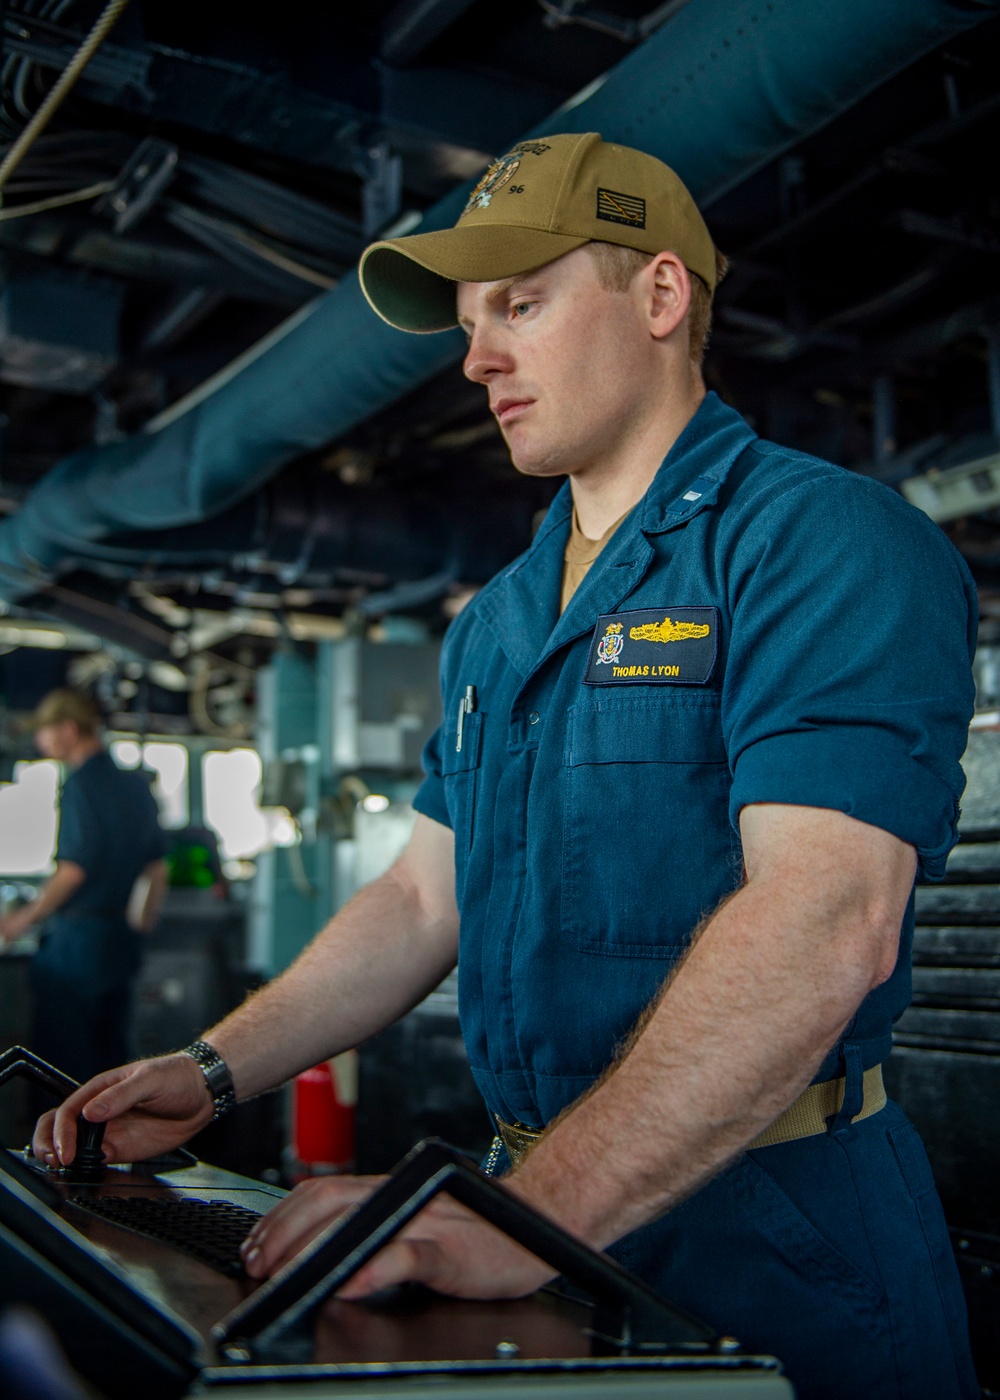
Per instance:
{"type": "Point", "coordinates": [211, 1231]}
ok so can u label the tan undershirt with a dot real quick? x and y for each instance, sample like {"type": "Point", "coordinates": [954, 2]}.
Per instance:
{"type": "Point", "coordinates": [580, 554]}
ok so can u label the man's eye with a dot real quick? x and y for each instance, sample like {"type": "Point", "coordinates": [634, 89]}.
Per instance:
{"type": "Point", "coordinates": [520, 308]}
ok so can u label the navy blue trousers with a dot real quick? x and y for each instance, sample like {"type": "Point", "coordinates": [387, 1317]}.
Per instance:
{"type": "Point", "coordinates": [830, 1253]}
{"type": "Point", "coordinates": [80, 1028]}
{"type": "Point", "coordinates": [82, 981]}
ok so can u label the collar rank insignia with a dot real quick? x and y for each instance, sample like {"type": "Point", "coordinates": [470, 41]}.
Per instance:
{"type": "Point", "coordinates": [654, 646]}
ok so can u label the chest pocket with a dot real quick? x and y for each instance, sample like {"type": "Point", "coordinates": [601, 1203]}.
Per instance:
{"type": "Point", "coordinates": [647, 844]}
{"type": "Point", "coordinates": [460, 771]}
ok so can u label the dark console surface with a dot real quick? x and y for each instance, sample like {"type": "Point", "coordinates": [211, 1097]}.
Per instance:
{"type": "Point", "coordinates": [116, 1214]}
{"type": "Point", "coordinates": [412, 1325]}
{"type": "Point", "coordinates": [156, 1316]}
{"type": "Point", "coordinates": [136, 1269]}
{"type": "Point", "coordinates": [210, 1230]}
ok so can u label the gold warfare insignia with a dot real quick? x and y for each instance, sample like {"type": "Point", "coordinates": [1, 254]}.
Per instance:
{"type": "Point", "coordinates": [609, 648]}
{"type": "Point", "coordinates": [628, 648]}
{"type": "Point", "coordinates": [618, 208]}
{"type": "Point", "coordinates": [667, 631]}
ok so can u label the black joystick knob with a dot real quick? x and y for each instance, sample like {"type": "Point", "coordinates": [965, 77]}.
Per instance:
{"type": "Point", "coordinates": [89, 1159]}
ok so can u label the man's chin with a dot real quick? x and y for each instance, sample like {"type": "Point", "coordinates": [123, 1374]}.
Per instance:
{"type": "Point", "coordinates": [537, 464]}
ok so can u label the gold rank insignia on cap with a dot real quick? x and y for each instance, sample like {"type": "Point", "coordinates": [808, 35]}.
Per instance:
{"type": "Point", "coordinates": [543, 199]}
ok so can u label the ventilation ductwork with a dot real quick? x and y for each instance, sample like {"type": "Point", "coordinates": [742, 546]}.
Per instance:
{"type": "Point", "coordinates": [722, 89]}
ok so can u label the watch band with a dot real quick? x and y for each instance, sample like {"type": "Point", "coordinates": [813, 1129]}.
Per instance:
{"type": "Point", "coordinates": [218, 1080]}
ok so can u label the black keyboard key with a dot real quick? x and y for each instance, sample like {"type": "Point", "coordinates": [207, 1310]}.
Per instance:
{"type": "Point", "coordinates": [211, 1231]}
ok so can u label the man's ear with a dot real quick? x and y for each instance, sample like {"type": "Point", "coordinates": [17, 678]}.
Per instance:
{"type": "Point", "coordinates": [667, 284]}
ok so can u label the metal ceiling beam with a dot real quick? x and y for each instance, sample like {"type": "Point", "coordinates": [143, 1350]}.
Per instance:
{"type": "Point", "coordinates": [269, 112]}
{"type": "Point", "coordinates": [412, 26]}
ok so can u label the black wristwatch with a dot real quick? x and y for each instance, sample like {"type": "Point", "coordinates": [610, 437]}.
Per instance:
{"type": "Point", "coordinates": [218, 1080]}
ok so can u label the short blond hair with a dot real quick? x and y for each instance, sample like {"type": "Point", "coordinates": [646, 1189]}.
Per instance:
{"type": "Point", "coordinates": [69, 704]}
{"type": "Point", "coordinates": [617, 266]}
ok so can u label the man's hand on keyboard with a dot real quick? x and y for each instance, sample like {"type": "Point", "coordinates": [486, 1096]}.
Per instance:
{"type": "Point", "coordinates": [150, 1107]}
{"type": "Point", "coordinates": [446, 1247]}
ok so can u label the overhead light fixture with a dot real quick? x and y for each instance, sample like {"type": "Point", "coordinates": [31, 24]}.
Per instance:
{"type": "Point", "coordinates": [48, 640]}
{"type": "Point", "coordinates": [15, 632]}
{"type": "Point", "coordinates": [956, 491]}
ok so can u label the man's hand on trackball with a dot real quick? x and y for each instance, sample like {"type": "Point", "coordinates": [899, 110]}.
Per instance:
{"type": "Point", "coordinates": [150, 1107]}
{"type": "Point", "coordinates": [16, 924]}
{"type": "Point", "coordinates": [446, 1247]}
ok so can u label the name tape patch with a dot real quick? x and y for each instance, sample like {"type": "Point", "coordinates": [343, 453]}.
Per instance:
{"type": "Point", "coordinates": [654, 646]}
{"type": "Point", "coordinates": [620, 208]}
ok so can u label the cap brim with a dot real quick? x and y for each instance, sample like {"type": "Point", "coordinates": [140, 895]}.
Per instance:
{"type": "Point", "coordinates": [410, 282]}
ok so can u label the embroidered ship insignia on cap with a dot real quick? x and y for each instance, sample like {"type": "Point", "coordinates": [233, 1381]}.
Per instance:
{"type": "Point", "coordinates": [494, 179]}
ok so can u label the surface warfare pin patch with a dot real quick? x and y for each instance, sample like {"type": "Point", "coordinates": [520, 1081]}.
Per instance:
{"type": "Point", "coordinates": [654, 646]}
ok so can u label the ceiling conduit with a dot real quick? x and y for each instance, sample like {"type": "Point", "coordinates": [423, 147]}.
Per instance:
{"type": "Point", "coordinates": [722, 89]}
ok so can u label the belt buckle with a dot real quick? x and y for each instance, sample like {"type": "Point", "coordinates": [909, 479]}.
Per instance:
{"type": "Point", "coordinates": [517, 1138]}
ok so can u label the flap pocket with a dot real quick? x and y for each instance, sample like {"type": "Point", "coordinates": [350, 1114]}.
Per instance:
{"type": "Point", "coordinates": [635, 771]}
{"type": "Point", "coordinates": [674, 728]}
{"type": "Point", "coordinates": [455, 760]}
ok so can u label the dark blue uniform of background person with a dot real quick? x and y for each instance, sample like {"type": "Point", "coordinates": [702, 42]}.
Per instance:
{"type": "Point", "coordinates": [84, 971]}
{"type": "Point", "coordinates": [109, 835]}
{"type": "Point", "coordinates": [595, 825]}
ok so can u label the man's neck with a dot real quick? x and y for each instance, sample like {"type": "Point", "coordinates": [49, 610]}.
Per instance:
{"type": "Point", "coordinates": [609, 489]}
{"type": "Point", "coordinates": [78, 755]}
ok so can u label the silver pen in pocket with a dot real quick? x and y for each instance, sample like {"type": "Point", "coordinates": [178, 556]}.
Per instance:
{"type": "Point", "coordinates": [466, 706]}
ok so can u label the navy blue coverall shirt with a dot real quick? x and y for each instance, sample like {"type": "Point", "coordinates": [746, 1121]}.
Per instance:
{"type": "Point", "coordinates": [83, 974]}
{"type": "Point", "coordinates": [763, 627]}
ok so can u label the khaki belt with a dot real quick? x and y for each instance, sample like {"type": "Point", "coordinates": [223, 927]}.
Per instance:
{"type": "Point", "coordinates": [806, 1117]}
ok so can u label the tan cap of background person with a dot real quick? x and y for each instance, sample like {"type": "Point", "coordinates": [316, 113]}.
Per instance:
{"type": "Point", "coordinates": [64, 704]}
{"type": "Point", "coordinates": [542, 199]}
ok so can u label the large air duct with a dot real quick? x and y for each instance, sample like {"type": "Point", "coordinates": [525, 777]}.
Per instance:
{"type": "Point", "coordinates": [310, 528]}
{"type": "Point", "coordinates": [718, 92]}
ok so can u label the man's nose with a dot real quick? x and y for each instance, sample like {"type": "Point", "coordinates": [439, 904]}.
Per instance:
{"type": "Point", "coordinates": [484, 358]}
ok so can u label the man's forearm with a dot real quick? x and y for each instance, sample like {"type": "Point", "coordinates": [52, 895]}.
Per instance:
{"type": "Point", "coordinates": [738, 1033]}
{"type": "Point", "coordinates": [152, 890]}
{"type": "Point", "coordinates": [379, 956]}
{"type": "Point", "coordinates": [56, 891]}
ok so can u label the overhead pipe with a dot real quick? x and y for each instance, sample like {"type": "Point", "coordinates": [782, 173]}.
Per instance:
{"type": "Point", "coordinates": [310, 528]}
{"type": "Point", "coordinates": [718, 92]}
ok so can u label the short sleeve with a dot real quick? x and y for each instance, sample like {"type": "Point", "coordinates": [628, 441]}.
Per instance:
{"type": "Point", "coordinates": [156, 841]}
{"type": "Point", "coordinates": [79, 839]}
{"type": "Point", "coordinates": [430, 799]}
{"type": "Point", "coordinates": [848, 681]}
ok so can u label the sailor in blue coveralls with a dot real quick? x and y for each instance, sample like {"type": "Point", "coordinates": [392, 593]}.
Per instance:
{"type": "Point", "coordinates": [83, 975]}
{"type": "Point", "coordinates": [671, 830]}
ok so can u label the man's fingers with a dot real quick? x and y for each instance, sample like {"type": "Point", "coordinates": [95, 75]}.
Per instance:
{"type": "Point", "coordinates": [116, 1097]}
{"type": "Point", "coordinates": [64, 1121]}
{"type": "Point", "coordinates": [299, 1218]}
{"type": "Point", "coordinates": [41, 1141]}
{"type": "Point", "coordinates": [401, 1261]}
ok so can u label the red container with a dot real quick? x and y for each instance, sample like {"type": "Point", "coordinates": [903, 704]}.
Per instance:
{"type": "Point", "coordinates": [323, 1111]}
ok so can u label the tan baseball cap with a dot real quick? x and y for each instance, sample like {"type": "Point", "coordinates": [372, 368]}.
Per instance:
{"type": "Point", "coordinates": [542, 199]}
{"type": "Point", "coordinates": [64, 704]}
